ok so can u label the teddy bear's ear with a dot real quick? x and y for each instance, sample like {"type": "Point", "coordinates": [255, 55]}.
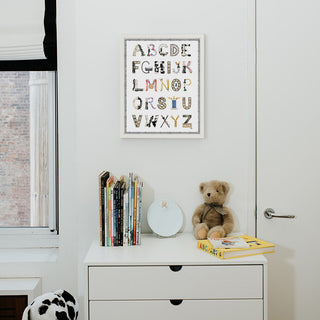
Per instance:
{"type": "Point", "coordinates": [225, 187]}
{"type": "Point", "coordinates": [201, 187]}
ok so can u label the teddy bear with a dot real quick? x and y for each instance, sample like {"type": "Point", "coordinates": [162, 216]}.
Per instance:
{"type": "Point", "coordinates": [58, 305]}
{"type": "Point", "coordinates": [211, 219]}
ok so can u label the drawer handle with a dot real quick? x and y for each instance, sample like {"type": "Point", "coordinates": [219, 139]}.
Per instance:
{"type": "Point", "coordinates": [175, 268]}
{"type": "Point", "coordinates": [176, 302]}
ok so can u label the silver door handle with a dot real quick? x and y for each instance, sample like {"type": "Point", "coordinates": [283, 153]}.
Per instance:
{"type": "Point", "coordinates": [269, 213]}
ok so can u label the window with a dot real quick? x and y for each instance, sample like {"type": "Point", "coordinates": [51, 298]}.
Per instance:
{"type": "Point", "coordinates": [28, 124]}
{"type": "Point", "coordinates": [28, 159]}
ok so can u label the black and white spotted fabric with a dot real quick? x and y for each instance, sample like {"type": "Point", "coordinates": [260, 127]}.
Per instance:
{"type": "Point", "coordinates": [58, 305]}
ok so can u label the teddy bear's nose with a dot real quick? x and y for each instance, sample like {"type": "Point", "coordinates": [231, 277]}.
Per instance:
{"type": "Point", "coordinates": [208, 194]}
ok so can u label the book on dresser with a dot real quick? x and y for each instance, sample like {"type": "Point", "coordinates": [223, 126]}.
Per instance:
{"type": "Point", "coordinates": [120, 208]}
{"type": "Point", "coordinates": [229, 250]}
{"type": "Point", "coordinates": [116, 198]}
{"type": "Point", "coordinates": [120, 211]}
{"type": "Point", "coordinates": [103, 177]}
{"type": "Point", "coordinates": [108, 225]}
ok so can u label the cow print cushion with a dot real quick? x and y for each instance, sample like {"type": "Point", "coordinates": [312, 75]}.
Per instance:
{"type": "Point", "coordinates": [58, 305]}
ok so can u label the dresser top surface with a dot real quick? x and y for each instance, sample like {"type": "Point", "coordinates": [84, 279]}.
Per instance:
{"type": "Point", "coordinates": [179, 250]}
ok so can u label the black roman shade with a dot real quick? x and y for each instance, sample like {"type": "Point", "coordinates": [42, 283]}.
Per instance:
{"type": "Point", "coordinates": [34, 46]}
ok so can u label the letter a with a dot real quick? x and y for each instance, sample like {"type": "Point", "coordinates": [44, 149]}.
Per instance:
{"type": "Point", "coordinates": [137, 49]}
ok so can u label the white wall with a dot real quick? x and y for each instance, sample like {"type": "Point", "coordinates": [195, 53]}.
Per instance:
{"type": "Point", "coordinates": [89, 119]}
{"type": "Point", "coordinates": [170, 168]}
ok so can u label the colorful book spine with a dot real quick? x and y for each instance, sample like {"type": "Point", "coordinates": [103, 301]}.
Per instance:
{"type": "Point", "coordinates": [106, 216]}
{"type": "Point", "coordinates": [139, 212]}
{"type": "Point", "coordinates": [100, 206]}
{"type": "Point", "coordinates": [129, 207]}
{"type": "Point", "coordinates": [135, 213]}
{"type": "Point", "coordinates": [109, 185]}
{"type": "Point", "coordinates": [131, 212]}
{"type": "Point", "coordinates": [115, 213]}
{"type": "Point", "coordinates": [109, 217]}
{"type": "Point", "coordinates": [125, 218]}
{"type": "Point", "coordinates": [120, 214]}
{"type": "Point", "coordinates": [103, 176]}
{"type": "Point", "coordinates": [112, 217]}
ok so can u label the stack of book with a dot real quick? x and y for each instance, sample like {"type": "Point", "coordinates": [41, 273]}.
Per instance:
{"type": "Point", "coordinates": [120, 204]}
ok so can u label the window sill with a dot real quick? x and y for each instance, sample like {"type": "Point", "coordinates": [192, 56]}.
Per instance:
{"type": "Point", "coordinates": [29, 255]}
{"type": "Point", "coordinates": [35, 241]}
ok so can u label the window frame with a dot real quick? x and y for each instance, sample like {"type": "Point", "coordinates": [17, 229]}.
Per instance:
{"type": "Point", "coordinates": [42, 237]}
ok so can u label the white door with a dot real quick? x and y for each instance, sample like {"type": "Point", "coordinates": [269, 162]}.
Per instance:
{"type": "Point", "coordinates": [288, 172]}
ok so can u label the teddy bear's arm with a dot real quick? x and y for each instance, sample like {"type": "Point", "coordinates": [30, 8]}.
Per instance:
{"type": "Point", "coordinates": [228, 222]}
{"type": "Point", "coordinates": [196, 218]}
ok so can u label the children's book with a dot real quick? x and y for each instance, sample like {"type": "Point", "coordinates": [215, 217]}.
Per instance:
{"type": "Point", "coordinates": [131, 209]}
{"type": "Point", "coordinates": [120, 212]}
{"type": "Point", "coordinates": [135, 182]}
{"type": "Point", "coordinates": [234, 242]}
{"type": "Point", "coordinates": [116, 207]}
{"type": "Point", "coordinates": [103, 177]}
{"type": "Point", "coordinates": [125, 218]}
{"type": "Point", "coordinates": [110, 182]}
{"type": "Point", "coordinates": [111, 197]}
{"type": "Point", "coordinates": [106, 230]}
{"type": "Point", "coordinates": [139, 212]}
{"type": "Point", "coordinates": [256, 246]}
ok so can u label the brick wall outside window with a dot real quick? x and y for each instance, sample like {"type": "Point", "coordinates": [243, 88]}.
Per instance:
{"type": "Point", "coordinates": [14, 149]}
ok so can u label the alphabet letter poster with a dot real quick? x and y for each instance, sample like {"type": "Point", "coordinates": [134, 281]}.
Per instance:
{"type": "Point", "coordinates": [162, 87]}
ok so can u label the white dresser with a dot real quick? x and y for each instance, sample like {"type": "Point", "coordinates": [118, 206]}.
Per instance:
{"type": "Point", "coordinates": [171, 279]}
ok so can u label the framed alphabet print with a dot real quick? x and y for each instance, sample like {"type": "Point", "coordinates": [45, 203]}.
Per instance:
{"type": "Point", "coordinates": [162, 86]}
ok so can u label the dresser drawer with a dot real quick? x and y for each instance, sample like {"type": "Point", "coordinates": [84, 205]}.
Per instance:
{"type": "Point", "coordinates": [187, 310]}
{"type": "Point", "coordinates": [191, 282]}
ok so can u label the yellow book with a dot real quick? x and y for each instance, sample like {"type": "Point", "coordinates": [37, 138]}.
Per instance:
{"type": "Point", "coordinates": [256, 246]}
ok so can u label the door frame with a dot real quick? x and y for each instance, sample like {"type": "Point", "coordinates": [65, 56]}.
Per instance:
{"type": "Point", "coordinates": [252, 114]}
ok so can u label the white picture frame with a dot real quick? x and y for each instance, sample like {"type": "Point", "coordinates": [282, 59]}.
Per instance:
{"type": "Point", "coordinates": [162, 86]}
